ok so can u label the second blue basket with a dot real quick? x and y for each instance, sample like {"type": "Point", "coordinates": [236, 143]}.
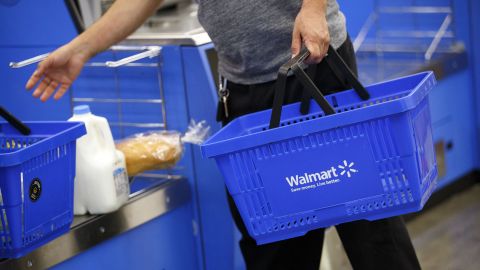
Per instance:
{"type": "Point", "coordinates": [370, 160]}
{"type": "Point", "coordinates": [36, 184]}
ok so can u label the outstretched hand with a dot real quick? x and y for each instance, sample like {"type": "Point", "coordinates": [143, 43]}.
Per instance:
{"type": "Point", "coordinates": [57, 73]}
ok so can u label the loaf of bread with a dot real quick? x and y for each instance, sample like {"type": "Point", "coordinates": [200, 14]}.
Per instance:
{"type": "Point", "coordinates": [151, 151]}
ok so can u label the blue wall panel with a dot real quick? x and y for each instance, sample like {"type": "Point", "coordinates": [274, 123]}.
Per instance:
{"type": "Point", "coordinates": [356, 14]}
{"type": "Point", "coordinates": [27, 30]}
{"type": "Point", "coordinates": [16, 99]}
{"type": "Point", "coordinates": [35, 23]}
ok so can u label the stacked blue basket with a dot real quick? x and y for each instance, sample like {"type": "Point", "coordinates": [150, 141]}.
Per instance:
{"type": "Point", "coordinates": [369, 160]}
{"type": "Point", "coordinates": [36, 184]}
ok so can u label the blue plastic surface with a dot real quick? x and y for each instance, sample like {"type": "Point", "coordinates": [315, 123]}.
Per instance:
{"type": "Point", "coordinates": [372, 159]}
{"type": "Point", "coordinates": [36, 184]}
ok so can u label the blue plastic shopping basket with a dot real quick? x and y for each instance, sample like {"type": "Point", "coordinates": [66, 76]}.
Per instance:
{"type": "Point", "coordinates": [36, 184]}
{"type": "Point", "coordinates": [360, 159]}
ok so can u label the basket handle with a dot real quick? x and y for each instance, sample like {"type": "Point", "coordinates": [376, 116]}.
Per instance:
{"type": "Point", "coordinates": [21, 127]}
{"type": "Point", "coordinates": [338, 67]}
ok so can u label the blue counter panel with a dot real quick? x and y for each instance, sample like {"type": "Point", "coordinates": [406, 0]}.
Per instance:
{"type": "Point", "coordinates": [474, 8]}
{"type": "Point", "coordinates": [163, 243]}
{"type": "Point", "coordinates": [453, 118]}
{"type": "Point", "coordinates": [143, 83]}
{"type": "Point", "coordinates": [216, 223]}
{"type": "Point", "coordinates": [178, 118]}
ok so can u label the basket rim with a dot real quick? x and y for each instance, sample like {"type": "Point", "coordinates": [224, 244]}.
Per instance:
{"type": "Point", "coordinates": [71, 132]}
{"type": "Point", "coordinates": [216, 146]}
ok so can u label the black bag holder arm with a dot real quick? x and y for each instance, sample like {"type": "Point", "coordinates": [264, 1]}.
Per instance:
{"type": "Point", "coordinates": [336, 64]}
{"type": "Point", "coordinates": [21, 127]}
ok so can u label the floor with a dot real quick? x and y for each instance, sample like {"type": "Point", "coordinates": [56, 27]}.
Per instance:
{"type": "Point", "coordinates": [445, 237]}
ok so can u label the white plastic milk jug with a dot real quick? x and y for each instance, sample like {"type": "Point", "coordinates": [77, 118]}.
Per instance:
{"type": "Point", "coordinates": [101, 182]}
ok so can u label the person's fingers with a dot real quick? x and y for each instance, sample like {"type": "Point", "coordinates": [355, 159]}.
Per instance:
{"type": "Point", "coordinates": [315, 52]}
{"type": "Point", "coordinates": [296, 42]}
{"type": "Point", "coordinates": [324, 48]}
{"type": "Point", "coordinates": [61, 91]}
{"type": "Point", "coordinates": [36, 76]}
{"type": "Point", "coordinates": [325, 44]}
{"type": "Point", "coordinates": [49, 90]}
{"type": "Point", "coordinates": [38, 73]}
{"type": "Point", "coordinates": [41, 87]}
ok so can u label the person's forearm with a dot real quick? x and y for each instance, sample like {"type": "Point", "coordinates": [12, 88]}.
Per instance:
{"type": "Point", "coordinates": [121, 19]}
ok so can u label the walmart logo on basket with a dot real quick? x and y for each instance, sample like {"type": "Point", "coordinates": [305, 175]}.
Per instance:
{"type": "Point", "coordinates": [347, 168]}
{"type": "Point", "coordinates": [321, 178]}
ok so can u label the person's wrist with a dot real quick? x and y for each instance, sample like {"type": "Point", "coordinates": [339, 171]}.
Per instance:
{"type": "Point", "coordinates": [320, 5]}
{"type": "Point", "coordinates": [83, 49]}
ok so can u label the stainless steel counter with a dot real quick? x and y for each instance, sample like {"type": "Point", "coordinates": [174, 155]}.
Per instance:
{"type": "Point", "coordinates": [177, 26]}
{"type": "Point", "coordinates": [88, 231]}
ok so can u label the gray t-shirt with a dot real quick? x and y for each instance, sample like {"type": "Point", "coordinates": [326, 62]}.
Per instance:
{"type": "Point", "coordinates": [253, 37]}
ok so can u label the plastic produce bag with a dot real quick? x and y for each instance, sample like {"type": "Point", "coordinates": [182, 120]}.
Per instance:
{"type": "Point", "coordinates": [156, 150]}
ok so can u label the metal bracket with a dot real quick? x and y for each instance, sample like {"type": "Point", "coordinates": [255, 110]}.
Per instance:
{"type": "Point", "coordinates": [151, 51]}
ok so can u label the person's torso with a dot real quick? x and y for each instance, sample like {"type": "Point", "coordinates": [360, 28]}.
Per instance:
{"type": "Point", "coordinates": [253, 38]}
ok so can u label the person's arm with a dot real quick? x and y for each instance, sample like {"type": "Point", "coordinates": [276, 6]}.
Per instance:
{"type": "Point", "coordinates": [311, 29]}
{"type": "Point", "coordinates": [62, 67]}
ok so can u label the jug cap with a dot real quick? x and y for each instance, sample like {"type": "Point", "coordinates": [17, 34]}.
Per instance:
{"type": "Point", "coordinates": [81, 109]}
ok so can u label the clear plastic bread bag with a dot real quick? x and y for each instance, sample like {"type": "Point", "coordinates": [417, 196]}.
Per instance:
{"type": "Point", "coordinates": [157, 150]}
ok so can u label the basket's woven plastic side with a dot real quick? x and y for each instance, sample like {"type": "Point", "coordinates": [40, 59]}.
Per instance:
{"type": "Point", "coordinates": [29, 221]}
{"type": "Point", "coordinates": [6, 240]}
{"type": "Point", "coordinates": [11, 196]}
{"type": "Point", "coordinates": [392, 160]}
{"type": "Point", "coordinates": [316, 171]}
{"type": "Point", "coordinates": [426, 159]}
{"type": "Point", "coordinates": [13, 143]}
{"type": "Point", "coordinates": [393, 146]}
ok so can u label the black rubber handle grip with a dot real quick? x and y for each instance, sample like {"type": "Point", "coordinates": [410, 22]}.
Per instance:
{"type": "Point", "coordinates": [21, 127]}
{"type": "Point", "coordinates": [336, 64]}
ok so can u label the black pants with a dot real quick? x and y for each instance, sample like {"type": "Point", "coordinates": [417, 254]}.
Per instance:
{"type": "Point", "coordinates": [381, 244]}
